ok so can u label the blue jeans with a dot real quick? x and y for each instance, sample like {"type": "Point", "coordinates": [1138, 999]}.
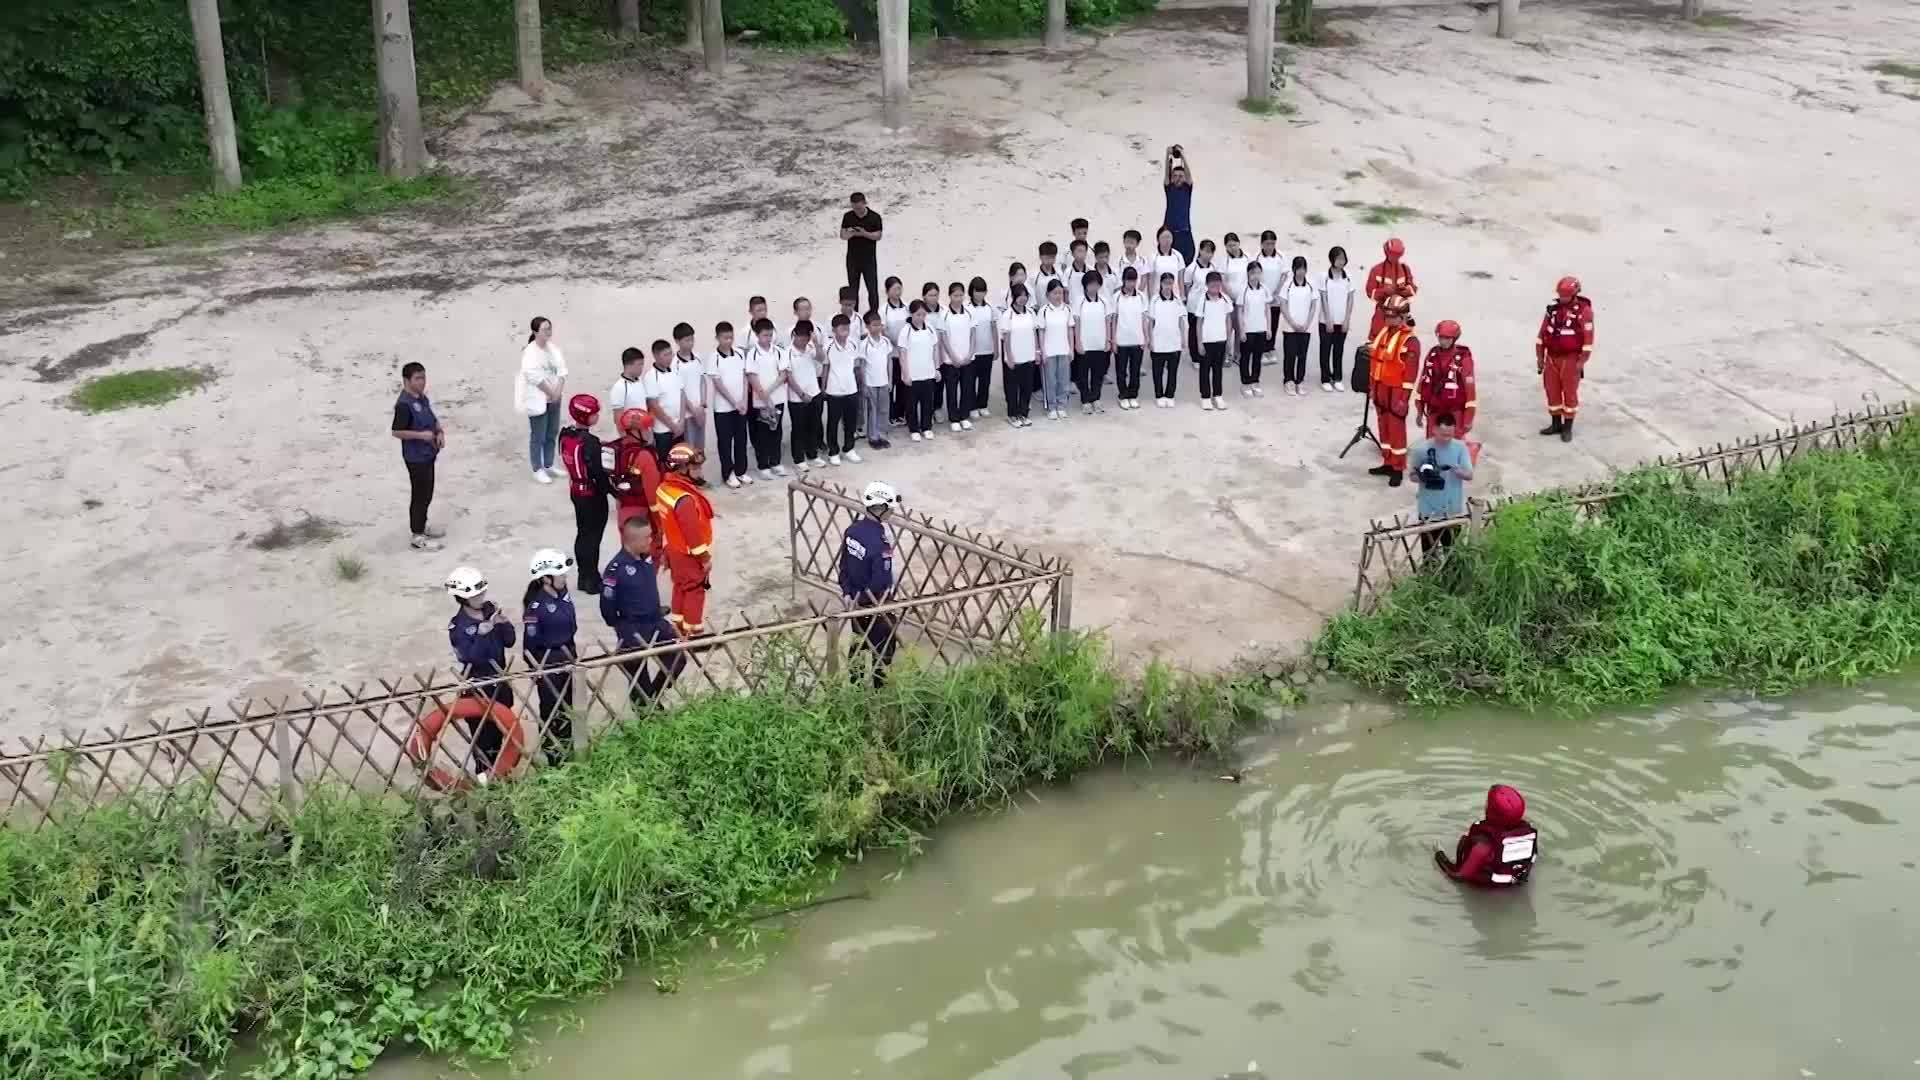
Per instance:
{"type": "Point", "coordinates": [1058, 378]}
{"type": "Point", "coordinates": [543, 434]}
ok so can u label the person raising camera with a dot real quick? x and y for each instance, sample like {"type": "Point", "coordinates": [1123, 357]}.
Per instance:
{"type": "Point", "coordinates": [1440, 468]}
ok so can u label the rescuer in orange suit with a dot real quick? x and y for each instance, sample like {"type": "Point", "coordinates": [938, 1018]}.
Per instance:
{"type": "Point", "coordinates": [1389, 278]}
{"type": "Point", "coordinates": [684, 518]}
{"type": "Point", "coordinates": [636, 471]}
{"type": "Point", "coordinates": [1561, 353]}
{"type": "Point", "coordinates": [1446, 382]}
{"type": "Point", "coordinates": [1393, 359]}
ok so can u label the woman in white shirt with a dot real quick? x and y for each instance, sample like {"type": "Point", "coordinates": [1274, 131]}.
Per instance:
{"type": "Point", "coordinates": [1336, 314]}
{"type": "Point", "coordinates": [1019, 351]}
{"type": "Point", "coordinates": [893, 316]}
{"type": "Point", "coordinates": [1299, 299]}
{"type": "Point", "coordinates": [1093, 340]}
{"type": "Point", "coordinates": [1215, 321]}
{"type": "Point", "coordinates": [956, 358]}
{"type": "Point", "coordinates": [1168, 261]}
{"type": "Point", "coordinates": [1235, 269]}
{"type": "Point", "coordinates": [1167, 320]}
{"type": "Point", "coordinates": [1056, 349]}
{"type": "Point", "coordinates": [981, 317]}
{"type": "Point", "coordinates": [1129, 337]}
{"type": "Point", "coordinates": [1253, 329]}
{"type": "Point", "coordinates": [843, 358]}
{"type": "Point", "coordinates": [1273, 271]}
{"type": "Point", "coordinates": [919, 348]}
{"type": "Point", "coordinates": [1196, 293]}
{"type": "Point", "coordinates": [806, 409]}
{"type": "Point", "coordinates": [538, 393]}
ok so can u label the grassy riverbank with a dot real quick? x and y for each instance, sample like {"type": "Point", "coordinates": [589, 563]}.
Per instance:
{"type": "Point", "coordinates": [1807, 574]}
{"type": "Point", "coordinates": [357, 925]}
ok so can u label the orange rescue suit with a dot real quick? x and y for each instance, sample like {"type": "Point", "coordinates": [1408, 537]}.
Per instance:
{"type": "Point", "coordinates": [1392, 277]}
{"type": "Point", "coordinates": [1393, 356]}
{"type": "Point", "coordinates": [636, 475]}
{"type": "Point", "coordinates": [1561, 353]}
{"type": "Point", "coordinates": [685, 520]}
{"type": "Point", "coordinates": [1446, 386]}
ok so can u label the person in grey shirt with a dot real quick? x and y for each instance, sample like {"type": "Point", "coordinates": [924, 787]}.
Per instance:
{"type": "Point", "coordinates": [1440, 469]}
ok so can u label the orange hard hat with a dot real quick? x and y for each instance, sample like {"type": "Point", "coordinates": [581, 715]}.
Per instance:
{"type": "Point", "coordinates": [1446, 328]}
{"type": "Point", "coordinates": [1394, 248]}
{"type": "Point", "coordinates": [682, 455]}
{"type": "Point", "coordinates": [583, 408]}
{"type": "Point", "coordinates": [631, 419]}
{"type": "Point", "coordinates": [1568, 288]}
{"type": "Point", "coordinates": [1396, 305]}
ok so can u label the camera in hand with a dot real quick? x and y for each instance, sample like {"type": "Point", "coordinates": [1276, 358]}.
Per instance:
{"type": "Point", "coordinates": [1433, 477]}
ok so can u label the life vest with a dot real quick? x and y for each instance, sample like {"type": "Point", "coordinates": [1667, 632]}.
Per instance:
{"type": "Point", "coordinates": [1563, 331]}
{"type": "Point", "coordinates": [1514, 849]}
{"type": "Point", "coordinates": [1388, 373]}
{"type": "Point", "coordinates": [697, 540]}
{"type": "Point", "coordinates": [573, 455]}
{"type": "Point", "coordinates": [1445, 378]}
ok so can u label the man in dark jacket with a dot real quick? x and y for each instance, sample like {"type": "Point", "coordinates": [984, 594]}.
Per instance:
{"type": "Point", "coordinates": [630, 604]}
{"type": "Point", "coordinates": [867, 578]}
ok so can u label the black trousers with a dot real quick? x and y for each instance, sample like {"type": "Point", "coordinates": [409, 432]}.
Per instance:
{"type": "Point", "coordinates": [1273, 325]}
{"type": "Point", "coordinates": [589, 528]}
{"type": "Point", "coordinates": [875, 635]}
{"type": "Point", "coordinates": [730, 442]}
{"type": "Point", "coordinates": [1018, 381]}
{"type": "Point", "coordinates": [979, 382]}
{"type": "Point", "coordinates": [953, 387]}
{"type": "Point", "coordinates": [1194, 351]}
{"type": "Point", "coordinates": [419, 495]}
{"type": "Point", "coordinates": [1077, 373]}
{"type": "Point", "coordinates": [843, 421]}
{"type": "Point", "coordinates": [1252, 348]}
{"type": "Point", "coordinates": [808, 436]}
{"type": "Point", "coordinates": [1333, 347]}
{"type": "Point", "coordinates": [486, 735]}
{"type": "Point", "coordinates": [1166, 374]}
{"type": "Point", "coordinates": [922, 398]}
{"type": "Point", "coordinates": [1293, 355]}
{"type": "Point", "coordinates": [648, 678]}
{"type": "Point", "coordinates": [864, 268]}
{"type": "Point", "coordinates": [1439, 538]}
{"type": "Point", "coordinates": [897, 405]}
{"type": "Point", "coordinates": [662, 442]}
{"type": "Point", "coordinates": [765, 434]}
{"type": "Point", "coordinates": [1213, 365]}
{"type": "Point", "coordinates": [1093, 375]}
{"type": "Point", "coordinates": [553, 685]}
{"type": "Point", "coordinates": [1126, 375]}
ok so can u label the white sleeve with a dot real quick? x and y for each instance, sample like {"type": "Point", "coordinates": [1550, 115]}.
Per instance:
{"type": "Point", "coordinates": [532, 371]}
{"type": "Point", "coordinates": [560, 362]}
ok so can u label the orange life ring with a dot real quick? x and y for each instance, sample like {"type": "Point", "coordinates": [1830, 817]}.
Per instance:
{"type": "Point", "coordinates": [426, 736]}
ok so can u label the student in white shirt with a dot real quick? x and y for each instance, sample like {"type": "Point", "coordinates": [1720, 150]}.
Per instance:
{"type": "Point", "coordinates": [843, 360]}
{"type": "Point", "coordinates": [630, 390]}
{"type": "Point", "coordinates": [1016, 275]}
{"type": "Point", "coordinates": [1167, 320]}
{"type": "Point", "coordinates": [1168, 261]}
{"type": "Point", "coordinates": [727, 379]}
{"type": "Point", "coordinates": [1218, 322]}
{"type": "Point", "coordinates": [1253, 330]}
{"type": "Point", "coordinates": [693, 383]}
{"type": "Point", "coordinates": [1048, 272]}
{"type": "Point", "coordinates": [1132, 258]}
{"type": "Point", "coordinates": [1299, 299]}
{"type": "Point", "coordinates": [876, 380]}
{"type": "Point", "coordinates": [919, 349]}
{"type": "Point", "coordinates": [1056, 349]}
{"type": "Point", "coordinates": [893, 316]}
{"type": "Point", "coordinates": [956, 358]}
{"type": "Point", "coordinates": [1129, 337]}
{"type": "Point", "coordinates": [1235, 268]}
{"type": "Point", "coordinates": [768, 365]}
{"type": "Point", "coordinates": [1109, 274]}
{"type": "Point", "coordinates": [1019, 353]}
{"type": "Point", "coordinates": [805, 406]}
{"type": "Point", "coordinates": [666, 399]}
{"type": "Point", "coordinates": [541, 388]}
{"type": "Point", "coordinates": [1336, 314]}
{"type": "Point", "coordinates": [1196, 294]}
{"type": "Point", "coordinates": [856, 326]}
{"type": "Point", "coordinates": [1092, 340]}
{"type": "Point", "coordinates": [1273, 271]}
{"type": "Point", "coordinates": [981, 316]}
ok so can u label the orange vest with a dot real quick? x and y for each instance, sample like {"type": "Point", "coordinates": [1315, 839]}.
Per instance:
{"type": "Point", "coordinates": [692, 535]}
{"type": "Point", "coordinates": [1386, 359]}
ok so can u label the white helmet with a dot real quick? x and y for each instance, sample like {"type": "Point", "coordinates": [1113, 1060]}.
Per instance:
{"type": "Point", "coordinates": [879, 493]}
{"type": "Point", "coordinates": [547, 562]}
{"type": "Point", "coordinates": [465, 583]}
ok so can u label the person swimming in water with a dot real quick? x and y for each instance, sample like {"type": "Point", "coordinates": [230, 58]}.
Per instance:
{"type": "Point", "coordinates": [1497, 851]}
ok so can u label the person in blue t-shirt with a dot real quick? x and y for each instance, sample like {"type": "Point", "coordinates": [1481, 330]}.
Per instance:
{"type": "Point", "coordinates": [1440, 468]}
{"type": "Point", "coordinates": [421, 440]}
{"type": "Point", "coordinates": [1177, 180]}
{"type": "Point", "coordinates": [867, 578]}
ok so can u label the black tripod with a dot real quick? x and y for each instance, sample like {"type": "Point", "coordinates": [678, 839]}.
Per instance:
{"type": "Point", "coordinates": [1363, 433]}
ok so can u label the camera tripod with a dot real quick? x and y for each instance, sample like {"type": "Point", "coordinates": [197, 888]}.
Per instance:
{"type": "Point", "coordinates": [1363, 433]}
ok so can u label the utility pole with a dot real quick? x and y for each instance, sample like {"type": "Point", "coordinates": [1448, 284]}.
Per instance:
{"type": "Point", "coordinates": [696, 19]}
{"type": "Point", "coordinates": [403, 143]}
{"type": "Point", "coordinates": [893, 63]}
{"type": "Point", "coordinates": [223, 144]}
{"type": "Point", "coordinates": [526, 45]}
{"type": "Point", "coordinates": [713, 36]}
{"type": "Point", "coordinates": [629, 20]}
{"type": "Point", "coordinates": [1508, 20]}
{"type": "Point", "coordinates": [1056, 24]}
{"type": "Point", "coordinates": [1259, 51]}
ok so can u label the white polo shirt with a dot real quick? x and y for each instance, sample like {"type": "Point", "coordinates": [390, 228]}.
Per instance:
{"type": "Point", "coordinates": [1196, 279]}
{"type": "Point", "coordinates": [728, 369]}
{"type": "Point", "coordinates": [1170, 263]}
{"type": "Point", "coordinates": [843, 362]}
{"type": "Point", "coordinates": [1166, 316]}
{"type": "Point", "coordinates": [1040, 282]}
{"type": "Point", "coordinates": [629, 393]}
{"type": "Point", "coordinates": [1018, 328]}
{"type": "Point", "coordinates": [1273, 271]}
{"type": "Point", "coordinates": [1093, 325]}
{"type": "Point", "coordinates": [1130, 311]}
{"type": "Point", "coordinates": [980, 319]}
{"type": "Point", "coordinates": [876, 356]}
{"type": "Point", "coordinates": [663, 388]}
{"type": "Point", "coordinates": [768, 364]}
{"type": "Point", "coordinates": [1298, 302]}
{"type": "Point", "coordinates": [956, 336]}
{"type": "Point", "coordinates": [892, 319]}
{"type": "Point", "coordinates": [1213, 318]}
{"type": "Point", "coordinates": [919, 351]}
{"type": "Point", "coordinates": [1109, 280]}
{"type": "Point", "coordinates": [693, 378]}
{"type": "Point", "coordinates": [1335, 294]}
{"type": "Point", "coordinates": [1253, 310]}
{"type": "Point", "coordinates": [1055, 321]}
{"type": "Point", "coordinates": [1143, 272]}
{"type": "Point", "coordinates": [806, 371]}
{"type": "Point", "coordinates": [1236, 274]}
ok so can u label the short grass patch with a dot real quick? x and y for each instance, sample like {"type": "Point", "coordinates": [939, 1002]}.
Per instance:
{"type": "Point", "coordinates": [1314, 219]}
{"type": "Point", "coordinates": [349, 567]}
{"type": "Point", "coordinates": [1899, 68]}
{"type": "Point", "coordinates": [1719, 20]}
{"type": "Point", "coordinates": [1353, 174]}
{"type": "Point", "coordinates": [1267, 106]}
{"type": "Point", "coordinates": [286, 534]}
{"type": "Point", "coordinates": [142, 220]}
{"type": "Point", "coordinates": [1349, 204]}
{"type": "Point", "coordinates": [1385, 213]}
{"type": "Point", "coordinates": [145, 386]}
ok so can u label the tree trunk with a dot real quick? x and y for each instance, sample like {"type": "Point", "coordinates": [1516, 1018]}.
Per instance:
{"type": "Point", "coordinates": [1056, 24]}
{"type": "Point", "coordinates": [526, 43]}
{"type": "Point", "coordinates": [1509, 19]}
{"type": "Point", "coordinates": [1689, 9]}
{"type": "Point", "coordinates": [222, 144]}
{"type": "Point", "coordinates": [1259, 50]}
{"type": "Point", "coordinates": [629, 19]}
{"type": "Point", "coordinates": [695, 17]}
{"type": "Point", "coordinates": [713, 36]}
{"type": "Point", "coordinates": [403, 144]}
{"type": "Point", "coordinates": [893, 63]}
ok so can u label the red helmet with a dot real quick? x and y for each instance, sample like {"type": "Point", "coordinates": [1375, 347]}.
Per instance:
{"type": "Point", "coordinates": [1568, 288]}
{"type": "Point", "coordinates": [634, 421]}
{"type": "Point", "coordinates": [1505, 805]}
{"type": "Point", "coordinates": [1395, 248]}
{"type": "Point", "coordinates": [583, 408]}
{"type": "Point", "coordinates": [1446, 328]}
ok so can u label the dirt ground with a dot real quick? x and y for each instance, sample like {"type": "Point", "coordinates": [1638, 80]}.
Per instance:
{"type": "Point", "coordinates": [1731, 197]}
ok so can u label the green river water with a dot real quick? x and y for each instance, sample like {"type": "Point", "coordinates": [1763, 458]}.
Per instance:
{"type": "Point", "coordinates": [1723, 892]}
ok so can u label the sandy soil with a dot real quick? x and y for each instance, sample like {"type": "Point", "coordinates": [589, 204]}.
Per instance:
{"type": "Point", "coordinates": [1732, 198]}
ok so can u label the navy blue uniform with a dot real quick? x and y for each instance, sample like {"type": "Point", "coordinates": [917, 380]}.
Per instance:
{"type": "Point", "coordinates": [866, 579]}
{"type": "Point", "coordinates": [483, 655]}
{"type": "Point", "coordinates": [630, 604]}
{"type": "Point", "coordinates": [547, 631]}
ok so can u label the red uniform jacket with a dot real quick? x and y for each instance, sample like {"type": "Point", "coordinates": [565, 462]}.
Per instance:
{"type": "Point", "coordinates": [1446, 385]}
{"type": "Point", "coordinates": [685, 517]}
{"type": "Point", "coordinates": [1393, 356]}
{"type": "Point", "coordinates": [636, 478]}
{"type": "Point", "coordinates": [1566, 330]}
{"type": "Point", "coordinates": [1390, 279]}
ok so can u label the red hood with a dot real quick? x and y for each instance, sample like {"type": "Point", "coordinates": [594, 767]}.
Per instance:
{"type": "Point", "coordinates": [1505, 805]}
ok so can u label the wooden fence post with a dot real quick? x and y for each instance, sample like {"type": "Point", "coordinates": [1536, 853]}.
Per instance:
{"type": "Point", "coordinates": [283, 758]}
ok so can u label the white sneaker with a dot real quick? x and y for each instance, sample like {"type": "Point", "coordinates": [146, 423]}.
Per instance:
{"type": "Point", "coordinates": [434, 532]}
{"type": "Point", "coordinates": [915, 436]}
{"type": "Point", "coordinates": [1206, 405]}
{"type": "Point", "coordinates": [1299, 390]}
{"type": "Point", "coordinates": [1327, 386]}
{"type": "Point", "coordinates": [1257, 392]}
{"type": "Point", "coordinates": [426, 543]}
{"type": "Point", "coordinates": [833, 459]}
{"type": "Point", "coordinates": [540, 477]}
{"type": "Point", "coordinates": [853, 457]}
{"type": "Point", "coordinates": [1219, 404]}
{"type": "Point", "coordinates": [779, 470]}
{"type": "Point", "coordinates": [927, 434]}
{"type": "Point", "coordinates": [733, 482]}
{"type": "Point", "coordinates": [966, 425]}
{"type": "Point", "coordinates": [982, 414]}
{"type": "Point", "coordinates": [800, 467]}
{"type": "Point", "coordinates": [556, 472]}
{"type": "Point", "coordinates": [1099, 408]}
{"type": "Point", "coordinates": [1246, 391]}
{"type": "Point", "coordinates": [1013, 421]}
{"type": "Point", "coordinates": [747, 478]}
{"type": "Point", "coordinates": [955, 426]}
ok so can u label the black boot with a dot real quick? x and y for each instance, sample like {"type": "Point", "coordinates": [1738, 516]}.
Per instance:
{"type": "Point", "coordinates": [1566, 430]}
{"type": "Point", "coordinates": [1396, 479]}
{"type": "Point", "coordinates": [1382, 470]}
{"type": "Point", "coordinates": [1554, 427]}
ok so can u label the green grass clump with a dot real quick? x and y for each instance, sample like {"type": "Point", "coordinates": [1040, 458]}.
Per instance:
{"type": "Point", "coordinates": [1267, 106]}
{"type": "Point", "coordinates": [1895, 67]}
{"type": "Point", "coordinates": [145, 386]}
{"type": "Point", "coordinates": [269, 204]}
{"type": "Point", "coordinates": [1384, 213]}
{"type": "Point", "coordinates": [1806, 574]}
{"type": "Point", "coordinates": [1314, 218]}
{"type": "Point", "coordinates": [355, 924]}
{"type": "Point", "coordinates": [349, 567]}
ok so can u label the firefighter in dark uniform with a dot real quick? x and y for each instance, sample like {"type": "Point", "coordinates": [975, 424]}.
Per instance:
{"type": "Point", "coordinates": [866, 579]}
{"type": "Point", "coordinates": [480, 634]}
{"type": "Point", "coordinates": [630, 603]}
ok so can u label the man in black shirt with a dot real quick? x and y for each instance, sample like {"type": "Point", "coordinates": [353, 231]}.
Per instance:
{"type": "Point", "coordinates": [860, 228]}
{"type": "Point", "coordinates": [421, 439]}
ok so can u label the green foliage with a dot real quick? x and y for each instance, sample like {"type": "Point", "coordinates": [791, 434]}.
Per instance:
{"type": "Point", "coordinates": [356, 925]}
{"type": "Point", "coordinates": [261, 205]}
{"type": "Point", "coordinates": [146, 386]}
{"type": "Point", "coordinates": [999, 18]}
{"type": "Point", "coordinates": [793, 22]}
{"type": "Point", "coordinates": [1103, 12]}
{"type": "Point", "coordinates": [1805, 574]}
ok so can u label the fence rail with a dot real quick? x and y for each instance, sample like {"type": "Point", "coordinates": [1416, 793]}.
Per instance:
{"type": "Point", "coordinates": [1395, 549]}
{"type": "Point", "coordinates": [962, 593]}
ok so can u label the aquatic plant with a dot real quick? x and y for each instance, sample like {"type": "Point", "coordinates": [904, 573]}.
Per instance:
{"type": "Point", "coordinates": [1805, 574]}
{"type": "Point", "coordinates": [136, 948]}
